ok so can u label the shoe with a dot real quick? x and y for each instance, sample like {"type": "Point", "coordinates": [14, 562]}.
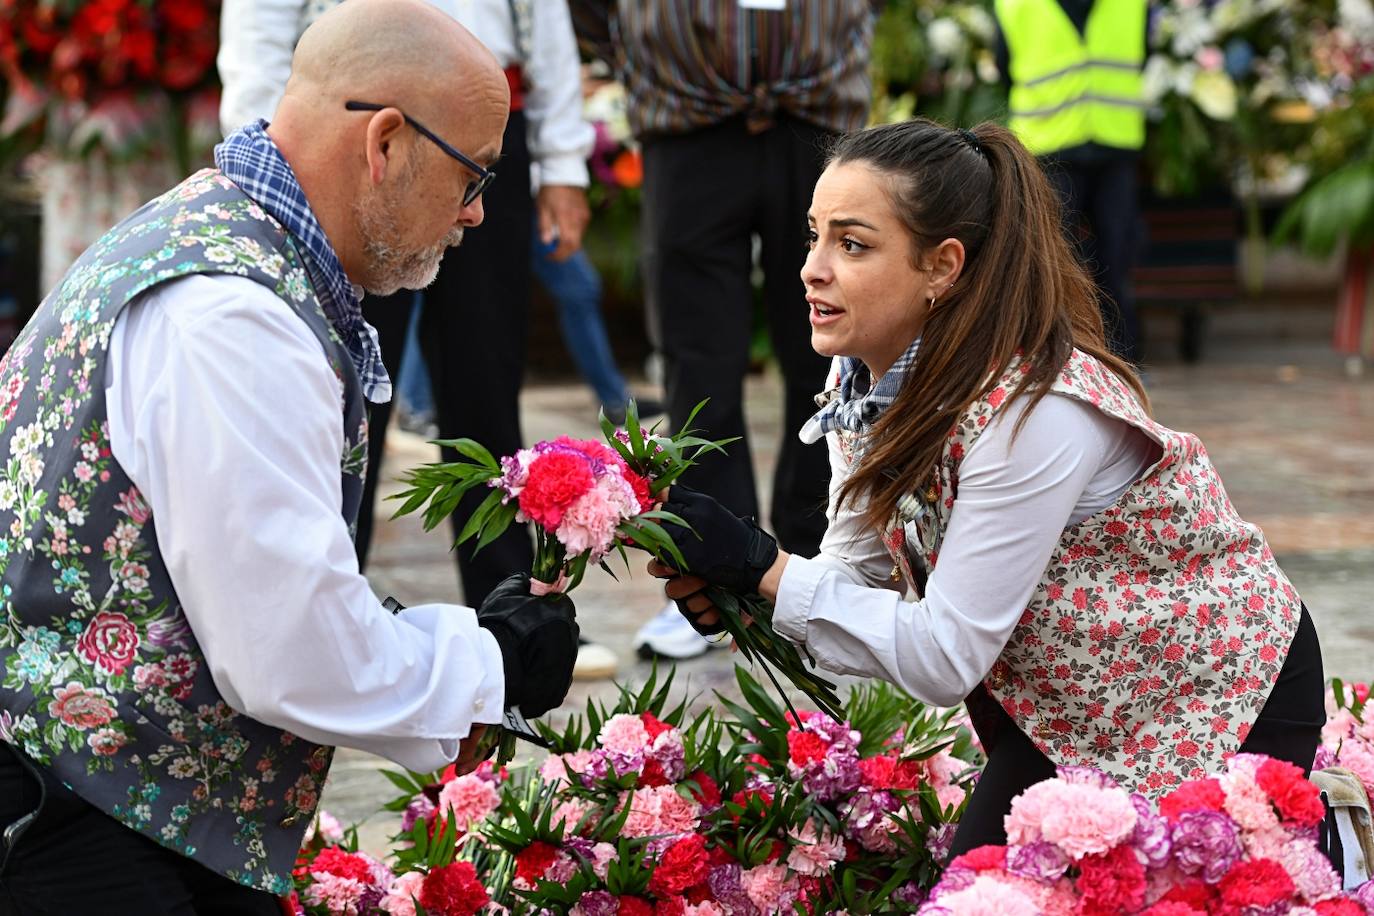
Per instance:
{"type": "Point", "coordinates": [669, 635]}
{"type": "Point", "coordinates": [594, 662]}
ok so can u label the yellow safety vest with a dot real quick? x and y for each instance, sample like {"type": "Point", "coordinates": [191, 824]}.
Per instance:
{"type": "Point", "coordinates": [1069, 89]}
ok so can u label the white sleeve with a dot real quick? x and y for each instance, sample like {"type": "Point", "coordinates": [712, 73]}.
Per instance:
{"type": "Point", "coordinates": [225, 414]}
{"type": "Point", "coordinates": [559, 139]}
{"type": "Point", "coordinates": [1015, 498]}
{"type": "Point", "coordinates": [256, 41]}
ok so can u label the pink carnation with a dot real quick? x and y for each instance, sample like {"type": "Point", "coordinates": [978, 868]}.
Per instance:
{"type": "Point", "coordinates": [569, 812]}
{"type": "Point", "coordinates": [589, 523]}
{"type": "Point", "coordinates": [624, 734]}
{"type": "Point", "coordinates": [335, 893]}
{"type": "Point", "coordinates": [603, 854]}
{"type": "Point", "coordinates": [405, 890]}
{"type": "Point", "coordinates": [1248, 804]}
{"type": "Point", "coordinates": [659, 810]}
{"type": "Point", "coordinates": [769, 888]}
{"type": "Point", "coordinates": [816, 851]}
{"type": "Point", "coordinates": [471, 797]}
{"type": "Point", "coordinates": [706, 908]}
{"type": "Point", "coordinates": [1079, 818]}
{"type": "Point", "coordinates": [988, 896]}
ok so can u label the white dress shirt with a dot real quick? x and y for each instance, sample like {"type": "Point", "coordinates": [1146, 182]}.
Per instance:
{"type": "Point", "coordinates": [225, 413]}
{"type": "Point", "coordinates": [257, 38]}
{"type": "Point", "coordinates": [1016, 496]}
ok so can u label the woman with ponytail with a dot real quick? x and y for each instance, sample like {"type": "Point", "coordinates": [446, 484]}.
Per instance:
{"type": "Point", "coordinates": [1009, 526]}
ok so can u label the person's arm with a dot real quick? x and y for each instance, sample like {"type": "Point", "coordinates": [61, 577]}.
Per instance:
{"type": "Point", "coordinates": [225, 413]}
{"type": "Point", "coordinates": [256, 41]}
{"type": "Point", "coordinates": [559, 139]}
{"type": "Point", "coordinates": [1015, 499]}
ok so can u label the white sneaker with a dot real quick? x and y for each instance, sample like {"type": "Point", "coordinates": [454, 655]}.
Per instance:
{"type": "Point", "coordinates": [594, 662]}
{"type": "Point", "coordinates": [669, 635]}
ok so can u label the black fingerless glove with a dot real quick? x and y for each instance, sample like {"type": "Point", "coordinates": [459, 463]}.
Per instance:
{"type": "Point", "coordinates": [538, 640]}
{"type": "Point", "coordinates": [721, 548]}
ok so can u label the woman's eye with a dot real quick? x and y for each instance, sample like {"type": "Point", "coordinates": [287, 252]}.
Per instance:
{"type": "Point", "coordinates": [811, 238]}
{"type": "Point", "coordinates": [852, 246]}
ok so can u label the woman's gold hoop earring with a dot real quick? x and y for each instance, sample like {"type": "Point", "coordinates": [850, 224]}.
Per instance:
{"type": "Point", "coordinates": [931, 306]}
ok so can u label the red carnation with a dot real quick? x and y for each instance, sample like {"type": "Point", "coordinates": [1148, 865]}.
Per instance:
{"type": "Point", "coordinates": [1113, 882]}
{"type": "Point", "coordinates": [1297, 799]}
{"type": "Point", "coordinates": [653, 725]}
{"type": "Point", "coordinates": [706, 792]}
{"type": "Point", "coordinates": [653, 775]}
{"type": "Point", "coordinates": [640, 485]}
{"type": "Point", "coordinates": [453, 890]}
{"type": "Point", "coordinates": [1197, 795]}
{"type": "Point", "coordinates": [556, 481]}
{"type": "Point", "coordinates": [877, 772]}
{"type": "Point", "coordinates": [1258, 883]}
{"type": "Point", "coordinates": [981, 858]}
{"type": "Point", "coordinates": [675, 906]}
{"type": "Point", "coordinates": [805, 747]}
{"type": "Point", "coordinates": [699, 894]}
{"type": "Point", "coordinates": [1170, 908]}
{"type": "Point", "coordinates": [342, 864]}
{"type": "Point", "coordinates": [183, 16]}
{"type": "Point", "coordinates": [634, 906]}
{"type": "Point", "coordinates": [532, 862]}
{"type": "Point", "coordinates": [1196, 894]}
{"type": "Point", "coordinates": [1342, 907]}
{"type": "Point", "coordinates": [682, 865]}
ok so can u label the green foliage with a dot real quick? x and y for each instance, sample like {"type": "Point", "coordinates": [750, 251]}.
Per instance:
{"type": "Point", "coordinates": [1338, 207]}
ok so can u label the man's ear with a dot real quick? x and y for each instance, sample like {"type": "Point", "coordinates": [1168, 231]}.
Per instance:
{"type": "Point", "coordinates": [380, 151]}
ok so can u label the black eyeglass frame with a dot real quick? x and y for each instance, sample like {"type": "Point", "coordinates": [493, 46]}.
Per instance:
{"type": "Point", "coordinates": [485, 176]}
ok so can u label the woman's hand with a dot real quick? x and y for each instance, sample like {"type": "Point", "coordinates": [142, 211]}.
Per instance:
{"type": "Point", "coordinates": [689, 593]}
{"type": "Point", "coordinates": [720, 548]}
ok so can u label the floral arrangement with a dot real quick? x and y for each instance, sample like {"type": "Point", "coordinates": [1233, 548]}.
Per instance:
{"type": "Point", "coordinates": [1243, 841]}
{"type": "Point", "coordinates": [586, 499]}
{"type": "Point", "coordinates": [124, 76]}
{"type": "Point", "coordinates": [640, 810]}
{"type": "Point", "coordinates": [935, 58]}
{"type": "Point", "coordinates": [1347, 739]}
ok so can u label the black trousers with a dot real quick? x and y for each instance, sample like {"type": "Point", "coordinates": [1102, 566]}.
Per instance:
{"type": "Point", "coordinates": [1101, 197]}
{"type": "Point", "coordinates": [473, 333]}
{"type": "Point", "coordinates": [705, 195]}
{"type": "Point", "coordinates": [73, 859]}
{"type": "Point", "coordinates": [1288, 728]}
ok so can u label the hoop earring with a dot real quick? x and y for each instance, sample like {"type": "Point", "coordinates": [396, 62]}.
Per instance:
{"type": "Point", "coordinates": [931, 306]}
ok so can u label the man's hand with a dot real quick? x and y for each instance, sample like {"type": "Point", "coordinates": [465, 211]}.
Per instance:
{"type": "Point", "coordinates": [563, 214]}
{"type": "Point", "coordinates": [470, 752]}
{"type": "Point", "coordinates": [538, 640]}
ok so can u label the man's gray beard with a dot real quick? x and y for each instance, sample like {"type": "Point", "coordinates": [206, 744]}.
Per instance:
{"type": "Point", "coordinates": [393, 268]}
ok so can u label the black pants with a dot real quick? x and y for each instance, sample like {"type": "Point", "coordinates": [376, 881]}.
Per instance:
{"type": "Point", "coordinates": [473, 333]}
{"type": "Point", "coordinates": [1288, 728]}
{"type": "Point", "coordinates": [706, 193]}
{"type": "Point", "coordinates": [73, 859]}
{"type": "Point", "coordinates": [1101, 197]}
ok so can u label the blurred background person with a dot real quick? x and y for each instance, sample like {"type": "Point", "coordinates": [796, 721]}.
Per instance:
{"type": "Point", "coordinates": [1074, 68]}
{"type": "Point", "coordinates": [734, 104]}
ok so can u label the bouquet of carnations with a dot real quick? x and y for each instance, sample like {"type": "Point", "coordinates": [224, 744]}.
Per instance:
{"type": "Point", "coordinates": [588, 499]}
{"type": "Point", "coordinates": [1347, 737]}
{"type": "Point", "coordinates": [1242, 842]}
{"type": "Point", "coordinates": [642, 809]}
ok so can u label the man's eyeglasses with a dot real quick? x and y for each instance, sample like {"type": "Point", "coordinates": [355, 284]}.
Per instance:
{"type": "Point", "coordinates": [474, 189]}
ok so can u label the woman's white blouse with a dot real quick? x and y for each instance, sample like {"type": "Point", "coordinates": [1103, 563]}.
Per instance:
{"type": "Point", "coordinates": [1017, 494]}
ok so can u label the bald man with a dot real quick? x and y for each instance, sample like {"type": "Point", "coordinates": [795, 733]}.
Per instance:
{"type": "Point", "coordinates": [188, 634]}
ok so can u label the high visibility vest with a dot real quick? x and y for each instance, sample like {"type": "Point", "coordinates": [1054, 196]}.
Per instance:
{"type": "Point", "coordinates": [1070, 88]}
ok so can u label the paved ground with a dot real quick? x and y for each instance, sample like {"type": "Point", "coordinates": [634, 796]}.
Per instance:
{"type": "Point", "coordinates": [1291, 431]}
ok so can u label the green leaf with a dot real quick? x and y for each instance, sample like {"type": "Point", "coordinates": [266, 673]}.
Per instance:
{"type": "Point", "coordinates": [478, 520]}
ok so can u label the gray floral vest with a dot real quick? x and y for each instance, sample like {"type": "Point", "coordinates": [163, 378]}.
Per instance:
{"type": "Point", "coordinates": [103, 682]}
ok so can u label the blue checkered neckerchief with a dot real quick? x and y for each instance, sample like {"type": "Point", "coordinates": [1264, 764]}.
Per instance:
{"type": "Point", "coordinates": [250, 159]}
{"type": "Point", "coordinates": [858, 403]}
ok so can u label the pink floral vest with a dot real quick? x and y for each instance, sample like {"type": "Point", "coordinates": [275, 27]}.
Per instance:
{"type": "Point", "coordinates": [1160, 624]}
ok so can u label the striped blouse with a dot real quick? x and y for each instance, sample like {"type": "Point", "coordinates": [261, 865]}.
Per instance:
{"type": "Point", "coordinates": [692, 63]}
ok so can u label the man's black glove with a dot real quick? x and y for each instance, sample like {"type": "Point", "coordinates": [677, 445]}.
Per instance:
{"type": "Point", "coordinates": [721, 548]}
{"type": "Point", "coordinates": [538, 640]}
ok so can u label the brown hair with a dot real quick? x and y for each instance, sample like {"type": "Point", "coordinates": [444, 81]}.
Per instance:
{"type": "Point", "coordinates": [1022, 292]}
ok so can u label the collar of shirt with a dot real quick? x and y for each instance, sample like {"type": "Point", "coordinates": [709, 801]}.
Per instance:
{"type": "Point", "coordinates": [859, 403]}
{"type": "Point", "coordinates": [250, 159]}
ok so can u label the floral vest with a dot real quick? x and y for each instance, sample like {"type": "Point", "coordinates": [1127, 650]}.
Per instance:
{"type": "Point", "coordinates": [1160, 625]}
{"type": "Point", "coordinates": [101, 679]}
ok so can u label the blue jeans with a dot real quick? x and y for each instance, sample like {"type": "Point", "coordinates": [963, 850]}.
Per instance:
{"type": "Point", "coordinates": [575, 288]}
{"type": "Point", "coordinates": [412, 386]}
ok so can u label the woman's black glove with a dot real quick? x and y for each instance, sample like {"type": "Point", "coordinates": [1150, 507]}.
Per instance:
{"type": "Point", "coordinates": [538, 640]}
{"type": "Point", "coordinates": [721, 548]}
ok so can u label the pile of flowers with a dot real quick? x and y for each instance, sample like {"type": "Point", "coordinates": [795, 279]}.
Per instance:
{"type": "Point", "coordinates": [112, 74]}
{"type": "Point", "coordinates": [1347, 739]}
{"type": "Point", "coordinates": [643, 810]}
{"type": "Point", "coordinates": [1243, 841]}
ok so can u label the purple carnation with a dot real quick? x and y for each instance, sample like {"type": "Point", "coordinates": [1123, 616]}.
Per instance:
{"type": "Point", "coordinates": [599, 903]}
{"type": "Point", "coordinates": [596, 770]}
{"type": "Point", "coordinates": [625, 763]}
{"type": "Point", "coordinates": [954, 879]}
{"type": "Point", "coordinates": [419, 809]}
{"type": "Point", "coordinates": [1151, 836]}
{"type": "Point", "coordinates": [724, 882]}
{"type": "Point", "coordinates": [940, 841]}
{"type": "Point", "coordinates": [1039, 861]}
{"type": "Point", "coordinates": [1365, 895]}
{"type": "Point", "coordinates": [841, 738]}
{"type": "Point", "coordinates": [1086, 776]}
{"type": "Point", "coordinates": [1325, 758]}
{"type": "Point", "coordinates": [909, 894]}
{"type": "Point", "coordinates": [1206, 842]}
{"type": "Point", "coordinates": [667, 749]}
{"type": "Point", "coordinates": [835, 775]}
